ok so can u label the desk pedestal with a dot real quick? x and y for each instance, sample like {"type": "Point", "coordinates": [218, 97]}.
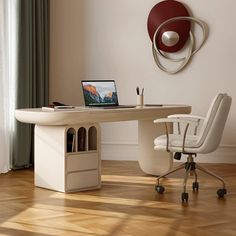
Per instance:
{"type": "Point", "coordinates": [151, 161]}
{"type": "Point", "coordinates": [68, 158]}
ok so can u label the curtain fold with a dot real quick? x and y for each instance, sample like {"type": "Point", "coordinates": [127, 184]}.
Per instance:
{"type": "Point", "coordinates": [4, 89]}
{"type": "Point", "coordinates": [32, 84]}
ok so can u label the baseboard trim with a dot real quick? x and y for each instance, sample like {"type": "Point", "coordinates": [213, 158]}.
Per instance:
{"type": "Point", "coordinates": [129, 152]}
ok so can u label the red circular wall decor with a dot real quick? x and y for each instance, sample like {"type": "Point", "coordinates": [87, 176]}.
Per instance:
{"type": "Point", "coordinates": [164, 11]}
{"type": "Point", "coordinates": [169, 28]}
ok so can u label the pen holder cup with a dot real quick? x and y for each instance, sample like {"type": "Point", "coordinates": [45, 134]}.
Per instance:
{"type": "Point", "coordinates": [140, 100]}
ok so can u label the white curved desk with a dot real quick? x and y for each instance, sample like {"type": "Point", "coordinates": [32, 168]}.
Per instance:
{"type": "Point", "coordinates": [58, 170]}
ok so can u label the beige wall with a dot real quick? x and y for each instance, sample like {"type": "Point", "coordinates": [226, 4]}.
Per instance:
{"type": "Point", "coordinates": [107, 39]}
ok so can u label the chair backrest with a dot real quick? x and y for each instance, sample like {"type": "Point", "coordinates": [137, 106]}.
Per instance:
{"type": "Point", "coordinates": [214, 123]}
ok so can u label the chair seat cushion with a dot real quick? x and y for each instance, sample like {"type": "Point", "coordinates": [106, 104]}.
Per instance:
{"type": "Point", "coordinates": [176, 140]}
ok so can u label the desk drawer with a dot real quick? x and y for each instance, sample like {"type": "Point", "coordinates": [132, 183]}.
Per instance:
{"type": "Point", "coordinates": [83, 161]}
{"type": "Point", "coordinates": [84, 179]}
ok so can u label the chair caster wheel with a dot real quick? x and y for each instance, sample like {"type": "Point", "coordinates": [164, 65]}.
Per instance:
{"type": "Point", "coordinates": [221, 192]}
{"type": "Point", "coordinates": [160, 189]}
{"type": "Point", "coordinates": [195, 186]}
{"type": "Point", "coordinates": [184, 197]}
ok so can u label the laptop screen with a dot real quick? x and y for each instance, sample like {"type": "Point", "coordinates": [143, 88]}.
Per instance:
{"type": "Point", "coordinates": [99, 93]}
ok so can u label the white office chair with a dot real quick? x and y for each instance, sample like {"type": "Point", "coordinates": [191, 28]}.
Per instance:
{"type": "Point", "coordinates": [206, 141]}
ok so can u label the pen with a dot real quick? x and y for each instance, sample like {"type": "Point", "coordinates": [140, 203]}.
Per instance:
{"type": "Point", "coordinates": [137, 90]}
{"type": "Point", "coordinates": [142, 91]}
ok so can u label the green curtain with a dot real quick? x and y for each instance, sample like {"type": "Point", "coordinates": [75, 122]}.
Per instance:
{"type": "Point", "coordinates": [33, 73]}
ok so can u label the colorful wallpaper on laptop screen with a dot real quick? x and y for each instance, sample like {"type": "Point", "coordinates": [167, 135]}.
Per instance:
{"type": "Point", "coordinates": [100, 93]}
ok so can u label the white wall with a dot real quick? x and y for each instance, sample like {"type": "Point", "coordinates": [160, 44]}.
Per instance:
{"type": "Point", "coordinates": [108, 39]}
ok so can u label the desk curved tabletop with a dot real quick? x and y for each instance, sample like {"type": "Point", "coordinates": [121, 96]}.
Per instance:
{"type": "Point", "coordinates": [50, 142]}
{"type": "Point", "coordinates": [86, 115]}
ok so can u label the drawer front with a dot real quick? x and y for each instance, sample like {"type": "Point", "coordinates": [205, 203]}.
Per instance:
{"type": "Point", "coordinates": [83, 161]}
{"type": "Point", "coordinates": [84, 179]}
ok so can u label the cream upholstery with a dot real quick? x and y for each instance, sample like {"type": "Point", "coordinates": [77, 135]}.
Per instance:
{"type": "Point", "coordinates": [205, 141]}
{"type": "Point", "coordinates": [176, 141]}
{"type": "Point", "coordinates": [210, 133]}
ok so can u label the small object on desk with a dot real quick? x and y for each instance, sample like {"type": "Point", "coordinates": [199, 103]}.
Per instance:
{"type": "Point", "coordinates": [137, 90]}
{"type": "Point", "coordinates": [58, 108]}
{"type": "Point", "coordinates": [139, 100]}
{"type": "Point", "coordinates": [58, 104]}
{"type": "Point", "coordinates": [64, 107]}
{"type": "Point", "coordinates": [139, 97]}
{"type": "Point", "coordinates": [142, 91]}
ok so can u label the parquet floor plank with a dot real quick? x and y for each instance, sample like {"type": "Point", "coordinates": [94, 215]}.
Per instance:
{"type": "Point", "coordinates": [127, 205]}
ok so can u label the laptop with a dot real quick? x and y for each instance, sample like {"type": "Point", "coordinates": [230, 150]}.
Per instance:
{"type": "Point", "coordinates": [101, 93]}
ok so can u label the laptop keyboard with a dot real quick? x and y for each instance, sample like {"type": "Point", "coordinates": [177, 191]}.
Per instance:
{"type": "Point", "coordinates": [113, 107]}
{"type": "Point", "coordinates": [118, 107]}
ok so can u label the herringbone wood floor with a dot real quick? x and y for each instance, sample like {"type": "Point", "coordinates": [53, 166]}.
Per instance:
{"type": "Point", "coordinates": [126, 205]}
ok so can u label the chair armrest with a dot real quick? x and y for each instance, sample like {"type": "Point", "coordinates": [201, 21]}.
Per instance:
{"type": "Point", "coordinates": [183, 116]}
{"type": "Point", "coordinates": [186, 116]}
{"type": "Point", "coordinates": [176, 120]}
